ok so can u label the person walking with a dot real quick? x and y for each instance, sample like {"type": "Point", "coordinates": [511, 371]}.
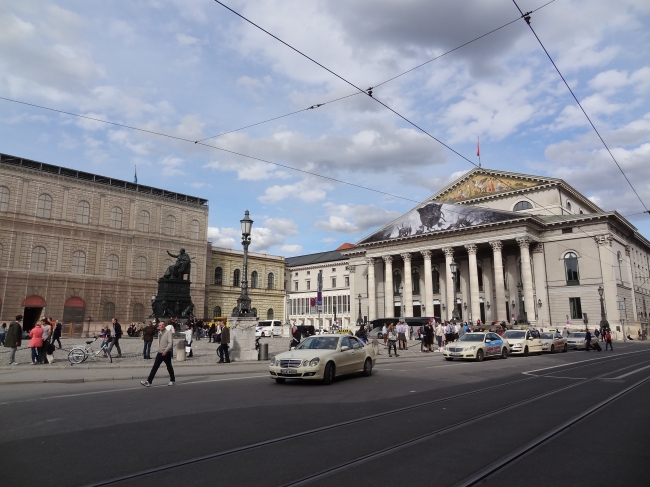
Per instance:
{"type": "Point", "coordinates": [587, 340]}
{"type": "Point", "coordinates": [188, 341]}
{"type": "Point", "coordinates": [36, 342]}
{"type": "Point", "coordinates": [165, 345]}
{"type": "Point", "coordinates": [47, 332]}
{"type": "Point", "coordinates": [295, 336]}
{"type": "Point", "coordinates": [56, 334]}
{"type": "Point", "coordinates": [608, 340]}
{"type": "Point", "coordinates": [439, 335]}
{"type": "Point", "coordinates": [225, 343]}
{"type": "Point", "coordinates": [115, 342]}
{"type": "Point", "coordinates": [13, 338]}
{"type": "Point", "coordinates": [384, 333]}
{"type": "Point", "coordinates": [3, 333]}
{"type": "Point", "coordinates": [147, 336]}
{"type": "Point", "coordinates": [429, 333]}
{"type": "Point", "coordinates": [392, 339]}
{"type": "Point", "coordinates": [401, 335]}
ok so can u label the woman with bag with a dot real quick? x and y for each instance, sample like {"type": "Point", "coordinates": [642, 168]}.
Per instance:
{"type": "Point", "coordinates": [47, 332]}
{"type": "Point", "coordinates": [36, 342]}
{"type": "Point", "coordinates": [392, 339]}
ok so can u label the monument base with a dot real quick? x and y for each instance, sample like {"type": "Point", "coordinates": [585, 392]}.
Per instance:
{"type": "Point", "coordinates": [242, 338]}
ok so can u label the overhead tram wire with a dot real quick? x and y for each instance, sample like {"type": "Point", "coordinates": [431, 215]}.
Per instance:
{"type": "Point", "coordinates": [526, 17]}
{"type": "Point", "coordinates": [318, 105]}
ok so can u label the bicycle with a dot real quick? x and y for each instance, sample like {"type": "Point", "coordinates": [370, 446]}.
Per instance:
{"type": "Point", "coordinates": [78, 354]}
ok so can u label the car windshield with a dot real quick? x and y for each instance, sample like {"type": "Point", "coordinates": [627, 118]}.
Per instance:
{"type": "Point", "coordinates": [319, 343]}
{"type": "Point", "coordinates": [514, 334]}
{"type": "Point", "coordinates": [577, 335]}
{"type": "Point", "coordinates": [547, 336]}
{"type": "Point", "coordinates": [471, 337]}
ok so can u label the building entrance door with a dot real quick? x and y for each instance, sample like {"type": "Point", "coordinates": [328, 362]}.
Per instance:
{"type": "Point", "coordinates": [397, 311]}
{"type": "Point", "coordinates": [482, 306]}
{"type": "Point", "coordinates": [436, 312]}
{"type": "Point", "coordinates": [507, 311]}
{"type": "Point", "coordinates": [33, 308]}
{"type": "Point", "coordinates": [417, 310]}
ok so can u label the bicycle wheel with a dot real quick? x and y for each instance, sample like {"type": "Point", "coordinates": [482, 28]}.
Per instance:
{"type": "Point", "coordinates": [77, 355]}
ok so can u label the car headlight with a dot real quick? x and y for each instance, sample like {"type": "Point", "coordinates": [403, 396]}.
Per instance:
{"type": "Point", "coordinates": [546, 344]}
{"type": "Point", "coordinates": [305, 363]}
{"type": "Point", "coordinates": [272, 362]}
{"type": "Point", "coordinates": [469, 349]}
{"type": "Point", "coordinates": [516, 345]}
{"type": "Point", "coordinates": [314, 362]}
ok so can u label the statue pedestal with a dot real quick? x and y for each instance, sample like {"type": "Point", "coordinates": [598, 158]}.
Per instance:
{"type": "Point", "coordinates": [173, 299]}
{"type": "Point", "coordinates": [242, 338]}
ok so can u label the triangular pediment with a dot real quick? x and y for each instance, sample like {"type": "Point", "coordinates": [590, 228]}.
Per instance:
{"type": "Point", "coordinates": [432, 216]}
{"type": "Point", "coordinates": [481, 183]}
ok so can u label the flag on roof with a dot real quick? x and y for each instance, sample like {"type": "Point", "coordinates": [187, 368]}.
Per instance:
{"type": "Point", "coordinates": [135, 176]}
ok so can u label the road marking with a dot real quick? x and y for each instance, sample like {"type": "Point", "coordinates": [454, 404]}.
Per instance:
{"type": "Point", "coordinates": [530, 372]}
{"type": "Point", "coordinates": [629, 373]}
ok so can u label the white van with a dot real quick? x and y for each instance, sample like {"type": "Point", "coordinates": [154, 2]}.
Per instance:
{"type": "Point", "coordinates": [269, 328]}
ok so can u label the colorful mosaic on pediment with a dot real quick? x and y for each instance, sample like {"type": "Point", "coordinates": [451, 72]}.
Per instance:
{"type": "Point", "coordinates": [483, 185]}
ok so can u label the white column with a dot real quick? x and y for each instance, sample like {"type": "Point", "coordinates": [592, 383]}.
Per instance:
{"type": "Point", "coordinates": [541, 293]}
{"type": "Point", "coordinates": [354, 306]}
{"type": "Point", "coordinates": [407, 295]}
{"type": "Point", "coordinates": [449, 258]}
{"type": "Point", "coordinates": [372, 299]}
{"type": "Point", "coordinates": [473, 283]}
{"type": "Point", "coordinates": [428, 283]}
{"type": "Point", "coordinates": [527, 278]}
{"type": "Point", "coordinates": [389, 301]}
{"type": "Point", "coordinates": [627, 262]}
{"type": "Point", "coordinates": [488, 286]}
{"type": "Point", "coordinates": [499, 284]}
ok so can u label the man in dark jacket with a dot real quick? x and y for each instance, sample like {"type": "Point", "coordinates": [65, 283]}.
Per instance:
{"type": "Point", "coordinates": [56, 334]}
{"type": "Point", "coordinates": [148, 334]}
{"type": "Point", "coordinates": [587, 340]}
{"type": "Point", "coordinates": [115, 341]}
{"type": "Point", "coordinates": [225, 343]}
{"type": "Point", "coordinates": [13, 338]}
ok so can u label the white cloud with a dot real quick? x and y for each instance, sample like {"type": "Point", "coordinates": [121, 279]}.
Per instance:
{"type": "Point", "coordinates": [308, 190]}
{"type": "Point", "coordinates": [274, 232]}
{"type": "Point", "coordinates": [355, 219]}
{"type": "Point", "coordinates": [291, 249]}
{"type": "Point", "coordinates": [187, 40]}
{"type": "Point", "coordinates": [171, 166]}
{"type": "Point", "coordinates": [223, 237]}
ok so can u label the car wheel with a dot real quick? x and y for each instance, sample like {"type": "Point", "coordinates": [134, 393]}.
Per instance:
{"type": "Point", "coordinates": [449, 358]}
{"type": "Point", "coordinates": [329, 374]}
{"type": "Point", "coordinates": [565, 349]}
{"type": "Point", "coordinates": [552, 348]}
{"type": "Point", "coordinates": [280, 380]}
{"type": "Point", "coordinates": [504, 352]}
{"type": "Point", "coordinates": [380, 336]}
{"type": "Point", "coordinates": [479, 356]}
{"type": "Point", "coordinates": [526, 352]}
{"type": "Point", "coordinates": [367, 367]}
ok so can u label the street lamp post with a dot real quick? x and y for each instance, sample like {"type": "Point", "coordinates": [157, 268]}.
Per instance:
{"type": "Point", "coordinates": [360, 318]}
{"type": "Point", "coordinates": [287, 313]}
{"type": "Point", "coordinates": [244, 301]}
{"type": "Point", "coordinates": [334, 304]}
{"type": "Point", "coordinates": [604, 324]}
{"type": "Point", "coordinates": [453, 267]}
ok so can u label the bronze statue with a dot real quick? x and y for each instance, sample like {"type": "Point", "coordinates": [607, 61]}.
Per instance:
{"type": "Point", "coordinates": [180, 268]}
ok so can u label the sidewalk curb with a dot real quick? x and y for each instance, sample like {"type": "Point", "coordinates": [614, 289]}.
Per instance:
{"type": "Point", "coordinates": [104, 379]}
{"type": "Point", "coordinates": [128, 366]}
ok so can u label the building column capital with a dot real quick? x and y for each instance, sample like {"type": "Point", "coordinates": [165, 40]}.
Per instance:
{"type": "Point", "coordinates": [538, 249]}
{"type": "Point", "coordinates": [370, 261]}
{"type": "Point", "coordinates": [497, 245]}
{"type": "Point", "coordinates": [406, 257]}
{"type": "Point", "coordinates": [524, 242]}
{"type": "Point", "coordinates": [352, 268]}
{"type": "Point", "coordinates": [426, 254]}
{"type": "Point", "coordinates": [471, 249]}
{"type": "Point", "coordinates": [388, 259]}
{"type": "Point", "coordinates": [449, 251]}
{"type": "Point", "coordinates": [604, 240]}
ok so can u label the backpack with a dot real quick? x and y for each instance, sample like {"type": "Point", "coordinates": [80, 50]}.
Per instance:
{"type": "Point", "coordinates": [608, 337]}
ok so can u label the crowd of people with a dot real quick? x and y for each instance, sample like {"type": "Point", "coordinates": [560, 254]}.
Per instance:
{"type": "Point", "coordinates": [43, 338]}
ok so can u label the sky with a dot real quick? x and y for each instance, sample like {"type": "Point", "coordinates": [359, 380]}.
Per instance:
{"type": "Point", "coordinates": [192, 69]}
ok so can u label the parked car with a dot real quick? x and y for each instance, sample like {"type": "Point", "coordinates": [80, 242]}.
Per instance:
{"type": "Point", "coordinates": [524, 342]}
{"type": "Point", "coordinates": [323, 357]}
{"type": "Point", "coordinates": [269, 328]}
{"type": "Point", "coordinates": [553, 341]}
{"type": "Point", "coordinates": [577, 340]}
{"type": "Point", "coordinates": [476, 346]}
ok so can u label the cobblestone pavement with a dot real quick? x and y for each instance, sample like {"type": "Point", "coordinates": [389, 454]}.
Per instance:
{"type": "Point", "coordinates": [204, 351]}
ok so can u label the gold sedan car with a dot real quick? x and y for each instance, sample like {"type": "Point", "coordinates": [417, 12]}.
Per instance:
{"type": "Point", "coordinates": [323, 357]}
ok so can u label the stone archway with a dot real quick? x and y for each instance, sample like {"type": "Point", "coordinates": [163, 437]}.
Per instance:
{"type": "Point", "coordinates": [33, 308]}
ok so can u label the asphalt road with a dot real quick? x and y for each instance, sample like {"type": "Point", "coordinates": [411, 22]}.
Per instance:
{"type": "Point", "coordinates": [416, 421]}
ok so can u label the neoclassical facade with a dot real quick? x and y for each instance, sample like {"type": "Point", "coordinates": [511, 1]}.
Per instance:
{"type": "Point", "coordinates": [526, 247]}
{"type": "Point", "coordinates": [265, 285]}
{"type": "Point", "coordinates": [85, 248]}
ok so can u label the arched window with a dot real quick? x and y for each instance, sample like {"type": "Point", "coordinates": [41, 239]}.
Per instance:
{"type": "Point", "coordinates": [83, 212]}
{"type": "Point", "coordinates": [39, 257]}
{"type": "Point", "coordinates": [581, 212]}
{"type": "Point", "coordinates": [112, 265]}
{"type": "Point", "coordinates": [522, 205]}
{"type": "Point", "coordinates": [415, 277]}
{"type": "Point", "coordinates": [170, 225]}
{"type": "Point", "coordinates": [571, 266]}
{"type": "Point", "coordinates": [116, 217]}
{"type": "Point", "coordinates": [74, 310]}
{"type": "Point", "coordinates": [218, 277]}
{"type": "Point", "coordinates": [143, 221]}
{"type": "Point", "coordinates": [254, 311]}
{"type": "Point", "coordinates": [568, 205]}
{"type": "Point", "coordinates": [194, 229]}
{"type": "Point", "coordinates": [397, 281]}
{"type": "Point", "coordinates": [435, 278]}
{"type": "Point", "coordinates": [4, 198]}
{"type": "Point", "coordinates": [479, 270]}
{"type": "Point", "coordinates": [217, 311]}
{"type": "Point", "coordinates": [254, 282]}
{"type": "Point", "coordinates": [141, 267]}
{"type": "Point", "coordinates": [269, 314]}
{"type": "Point", "coordinates": [270, 281]}
{"type": "Point", "coordinates": [138, 312]}
{"type": "Point", "coordinates": [44, 206]}
{"type": "Point", "coordinates": [236, 278]}
{"type": "Point", "coordinates": [79, 262]}
{"type": "Point", "coordinates": [108, 313]}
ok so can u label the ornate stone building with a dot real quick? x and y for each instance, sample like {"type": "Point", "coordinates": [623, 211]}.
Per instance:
{"type": "Point", "coordinates": [265, 286]}
{"type": "Point", "coordinates": [527, 247]}
{"type": "Point", "coordinates": [86, 248]}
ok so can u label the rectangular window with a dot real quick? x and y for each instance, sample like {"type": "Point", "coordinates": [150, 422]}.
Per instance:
{"type": "Point", "coordinates": [347, 281]}
{"type": "Point", "coordinates": [334, 282]}
{"type": "Point", "coordinates": [576, 308]}
{"type": "Point", "coordinates": [295, 285]}
{"type": "Point", "coordinates": [308, 285]}
{"type": "Point", "coordinates": [567, 230]}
